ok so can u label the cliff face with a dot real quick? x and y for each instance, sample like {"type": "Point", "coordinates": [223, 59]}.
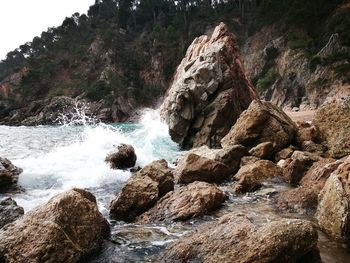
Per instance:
{"type": "Point", "coordinates": [209, 92]}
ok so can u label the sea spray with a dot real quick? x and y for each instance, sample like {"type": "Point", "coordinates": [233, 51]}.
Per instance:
{"type": "Point", "coordinates": [72, 155]}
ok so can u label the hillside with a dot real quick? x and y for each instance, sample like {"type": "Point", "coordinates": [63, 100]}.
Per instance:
{"type": "Point", "coordinates": [121, 56]}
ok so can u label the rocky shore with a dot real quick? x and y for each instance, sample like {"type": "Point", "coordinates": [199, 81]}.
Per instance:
{"type": "Point", "coordinates": [237, 144]}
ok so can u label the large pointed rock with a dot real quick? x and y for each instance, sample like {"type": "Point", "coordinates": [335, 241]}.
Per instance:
{"type": "Point", "coordinates": [209, 92]}
{"type": "Point", "coordinates": [66, 229]}
{"type": "Point", "coordinates": [262, 122]}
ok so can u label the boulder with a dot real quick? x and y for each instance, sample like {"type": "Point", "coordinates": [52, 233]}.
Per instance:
{"type": "Point", "coordinates": [295, 167]}
{"type": "Point", "coordinates": [262, 122]}
{"type": "Point", "coordinates": [263, 150]}
{"type": "Point", "coordinates": [209, 91]}
{"type": "Point", "coordinates": [123, 158]}
{"type": "Point", "coordinates": [235, 239]}
{"type": "Point", "coordinates": [68, 228]}
{"type": "Point", "coordinates": [197, 168]}
{"type": "Point", "coordinates": [332, 121]}
{"type": "Point", "coordinates": [248, 160]}
{"type": "Point", "coordinates": [319, 149]}
{"type": "Point", "coordinates": [8, 175]}
{"type": "Point", "coordinates": [307, 132]}
{"type": "Point", "coordinates": [250, 177]}
{"type": "Point", "coordinates": [190, 201]}
{"type": "Point", "coordinates": [333, 210]}
{"type": "Point", "coordinates": [9, 211]}
{"type": "Point", "coordinates": [230, 156]}
{"type": "Point", "coordinates": [284, 153]}
{"type": "Point", "coordinates": [142, 191]}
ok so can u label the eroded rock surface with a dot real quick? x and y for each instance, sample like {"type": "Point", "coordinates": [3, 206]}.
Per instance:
{"type": "Point", "coordinates": [124, 157]}
{"type": "Point", "coordinates": [9, 211]}
{"type": "Point", "coordinates": [262, 122]}
{"type": "Point", "coordinates": [235, 239]}
{"type": "Point", "coordinates": [66, 229]}
{"type": "Point", "coordinates": [209, 92]}
{"type": "Point", "coordinates": [193, 200]}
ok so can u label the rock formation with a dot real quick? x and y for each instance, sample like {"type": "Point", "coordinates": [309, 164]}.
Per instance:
{"type": "Point", "coordinates": [193, 200]}
{"type": "Point", "coordinates": [66, 229]}
{"type": "Point", "coordinates": [234, 238]}
{"type": "Point", "coordinates": [209, 91]}
{"type": "Point", "coordinates": [9, 211]}
{"type": "Point", "coordinates": [142, 191]}
{"type": "Point", "coordinates": [262, 122]}
{"type": "Point", "coordinates": [124, 157]}
{"type": "Point", "coordinates": [8, 175]}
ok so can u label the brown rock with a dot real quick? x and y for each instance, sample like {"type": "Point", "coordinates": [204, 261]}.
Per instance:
{"type": "Point", "coordinates": [193, 200]}
{"type": "Point", "coordinates": [233, 238]}
{"type": "Point", "coordinates": [9, 211]}
{"type": "Point", "coordinates": [333, 210]}
{"type": "Point", "coordinates": [230, 156]}
{"type": "Point", "coordinates": [142, 191]}
{"type": "Point", "coordinates": [300, 200]}
{"type": "Point", "coordinates": [307, 133]}
{"type": "Point", "coordinates": [123, 158]}
{"type": "Point", "coordinates": [316, 148]}
{"type": "Point", "coordinates": [262, 122]}
{"type": "Point", "coordinates": [248, 160]}
{"type": "Point", "coordinates": [284, 153]}
{"type": "Point", "coordinates": [332, 121]}
{"type": "Point", "coordinates": [8, 175]}
{"type": "Point", "coordinates": [209, 91]}
{"type": "Point", "coordinates": [263, 150]}
{"type": "Point", "coordinates": [196, 168]}
{"type": "Point", "coordinates": [66, 229]}
{"type": "Point", "coordinates": [251, 176]}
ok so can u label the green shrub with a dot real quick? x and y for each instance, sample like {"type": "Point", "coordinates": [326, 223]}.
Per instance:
{"type": "Point", "coordinates": [267, 80]}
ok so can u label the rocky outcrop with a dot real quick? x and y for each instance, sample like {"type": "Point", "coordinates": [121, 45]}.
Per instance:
{"type": "Point", "coordinates": [234, 238]}
{"type": "Point", "coordinates": [193, 167]}
{"type": "Point", "coordinates": [124, 157]}
{"type": "Point", "coordinates": [193, 200]}
{"type": "Point", "coordinates": [8, 175]}
{"type": "Point", "coordinates": [332, 121]}
{"type": "Point", "coordinates": [262, 122]}
{"type": "Point", "coordinates": [333, 211]}
{"type": "Point", "coordinates": [66, 229]}
{"type": "Point", "coordinates": [9, 211]}
{"type": "Point", "coordinates": [142, 191]}
{"type": "Point", "coordinates": [209, 91]}
{"type": "Point", "coordinates": [250, 176]}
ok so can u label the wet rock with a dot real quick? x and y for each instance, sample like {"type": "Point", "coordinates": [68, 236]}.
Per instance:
{"type": "Point", "coordinates": [332, 121]}
{"type": "Point", "coordinates": [234, 238]}
{"type": "Point", "coordinates": [142, 191]}
{"type": "Point", "coordinates": [285, 153]}
{"type": "Point", "coordinates": [8, 175]}
{"type": "Point", "coordinates": [9, 211]}
{"type": "Point", "coordinates": [262, 122]}
{"type": "Point", "coordinates": [197, 168]}
{"type": "Point", "coordinates": [124, 157]}
{"type": "Point", "coordinates": [250, 177]}
{"type": "Point", "coordinates": [230, 156]}
{"type": "Point", "coordinates": [263, 150]}
{"type": "Point", "coordinates": [68, 228]}
{"type": "Point", "coordinates": [209, 91]}
{"type": "Point", "coordinates": [190, 201]}
{"type": "Point", "coordinates": [301, 200]}
{"type": "Point", "coordinates": [333, 210]}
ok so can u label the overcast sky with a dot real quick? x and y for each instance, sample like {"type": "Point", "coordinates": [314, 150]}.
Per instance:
{"type": "Point", "coordinates": [22, 20]}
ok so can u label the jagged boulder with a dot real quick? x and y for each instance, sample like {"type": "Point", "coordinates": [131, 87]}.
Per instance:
{"type": "Point", "coordinates": [235, 239]}
{"type": "Point", "coordinates": [68, 228]}
{"type": "Point", "coordinates": [8, 175]}
{"type": "Point", "coordinates": [193, 200]}
{"type": "Point", "coordinates": [333, 211]}
{"type": "Point", "coordinates": [193, 167]}
{"type": "Point", "coordinates": [263, 150]}
{"type": "Point", "coordinates": [332, 121]}
{"type": "Point", "coordinates": [250, 177]}
{"type": "Point", "coordinates": [9, 211]}
{"type": "Point", "coordinates": [124, 157]}
{"type": "Point", "coordinates": [262, 122]}
{"type": "Point", "coordinates": [209, 92]}
{"type": "Point", "coordinates": [142, 191]}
